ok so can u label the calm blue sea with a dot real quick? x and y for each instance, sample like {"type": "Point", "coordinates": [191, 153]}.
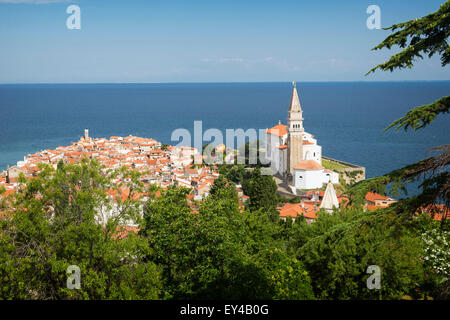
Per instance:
{"type": "Point", "coordinates": [347, 118]}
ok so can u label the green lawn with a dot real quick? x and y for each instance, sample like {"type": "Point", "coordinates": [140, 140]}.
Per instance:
{"type": "Point", "coordinates": [332, 165]}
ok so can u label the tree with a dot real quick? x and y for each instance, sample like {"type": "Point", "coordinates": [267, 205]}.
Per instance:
{"type": "Point", "coordinates": [54, 224]}
{"type": "Point", "coordinates": [288, 279]}
{"type": "Point", "coordinates": [220, 252]}
{"type": "Point", "coordinates": [427, 35]}
{"type": "Point", "coordinates": [200, 253]}
{"type": "Point", "coordinates": [237, 173]}
{"type": "Point", "coordinates": [2, 199]}
{"type": "Point", "coordinates": [262, 191]}
{"type": "Point", "coordinates": [337, 250]}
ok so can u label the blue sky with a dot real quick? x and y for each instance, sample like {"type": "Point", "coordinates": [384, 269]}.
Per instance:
{"type": "Point", "coordinates": [202, 41]}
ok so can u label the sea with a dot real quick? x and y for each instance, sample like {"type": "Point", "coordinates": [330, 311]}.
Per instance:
{"type": "Point", "coordinates": [347, 118]}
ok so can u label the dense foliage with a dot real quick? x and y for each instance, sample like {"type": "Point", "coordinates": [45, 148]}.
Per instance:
{"type": "Point", "coordinates": [55, 225]}
{"type": "Point", "coordinates": [221, 251]}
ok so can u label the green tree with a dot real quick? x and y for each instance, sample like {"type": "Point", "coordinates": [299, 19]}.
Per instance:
{"type": "Point", "coordinates": [425, 36]}
{"type": "Point", "coordinates": [262, 191]}
{"type": "Point", "coordinates": [288, 278]}
{"type": "Point", "coordinates": [337, 250]}
{"type": "Point", "coordinates": [55, 224]}
{"type": "Point", "coordinates": [220, 252]}
{"type": "Point", "coordinates": [201, 253]}
{"type": "Point", "coordinates": [2, 198]}
{"type": "Point", "coordinates": [236, 173]}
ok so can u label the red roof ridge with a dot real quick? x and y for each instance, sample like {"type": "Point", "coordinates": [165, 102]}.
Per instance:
{"type": "Point", "coordinates": [308, 165]}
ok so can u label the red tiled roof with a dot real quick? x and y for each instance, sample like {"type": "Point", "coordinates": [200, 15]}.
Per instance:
{"type": "Point", "coordinates": [294, 210]}
{"type": "Point", "coordinates": [279, 130]}
{"type": "Point", "coordinates": [372, 197]}
{"type": "Point", "coordinates": [308, 165]}
{"type": "Point", "coordinates": [321, 192]}
{"type": "Point", "coordinates": [123, 231]}
{"type": "Point", "coordinates": [8, 192]}
{"type": "Point", "coordinates": [437, 211]}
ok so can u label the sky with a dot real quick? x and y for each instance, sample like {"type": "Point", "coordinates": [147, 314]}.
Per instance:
{"type": "Point", "coordinates": [203, 41]}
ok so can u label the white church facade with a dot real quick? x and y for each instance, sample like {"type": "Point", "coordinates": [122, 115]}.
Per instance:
{"type": "Point", "coordinates": [294, 154]}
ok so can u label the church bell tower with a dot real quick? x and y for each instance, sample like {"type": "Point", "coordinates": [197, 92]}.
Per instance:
{"type": "Point", "coordinates": [295, 132]}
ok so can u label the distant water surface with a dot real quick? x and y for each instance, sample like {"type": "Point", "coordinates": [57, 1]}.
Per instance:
{"type": "Point", "coordinates": [347, 118]}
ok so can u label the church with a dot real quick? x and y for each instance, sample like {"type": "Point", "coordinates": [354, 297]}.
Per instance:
{"type": "Point", "coordinates": [294, 154]}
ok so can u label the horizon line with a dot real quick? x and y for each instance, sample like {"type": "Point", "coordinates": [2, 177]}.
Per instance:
{"type": "Point", "coordinates": [218, 82]}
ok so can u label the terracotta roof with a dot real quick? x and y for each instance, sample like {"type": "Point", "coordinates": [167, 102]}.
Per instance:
{"type": "Point", "coordinates": [308, 165]}
{"type": "Point", "coordinates": [291, 210]}
{"type": "Point", "coordinates": [372, 197]}
{"type": "Point", "coordinates": [437, 211]}
{"type": "Point", "coordinates": [279, 130]}
{"type": "Point", "coordinates": [8, 192]}
{"type": "Point", "coordinates": [123, 231]}
{"type": "Point", "coordinates": [321, 193]}
{"type": "Point", "coordinates": [294, 210]}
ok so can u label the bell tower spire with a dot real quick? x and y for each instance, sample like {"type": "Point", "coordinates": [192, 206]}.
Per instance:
{"type": "Point", "coordinates": [295, 131]}
{"type": "Point", "coordinates": [295, 119]}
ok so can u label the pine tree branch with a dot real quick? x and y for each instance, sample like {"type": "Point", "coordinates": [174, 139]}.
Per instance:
{"type": "Point", "coordinates": [433, 171]}
{"type": "Point", "coordinates": [425, 36]}
{"type": "Point", "coordinates": [422, 116]}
